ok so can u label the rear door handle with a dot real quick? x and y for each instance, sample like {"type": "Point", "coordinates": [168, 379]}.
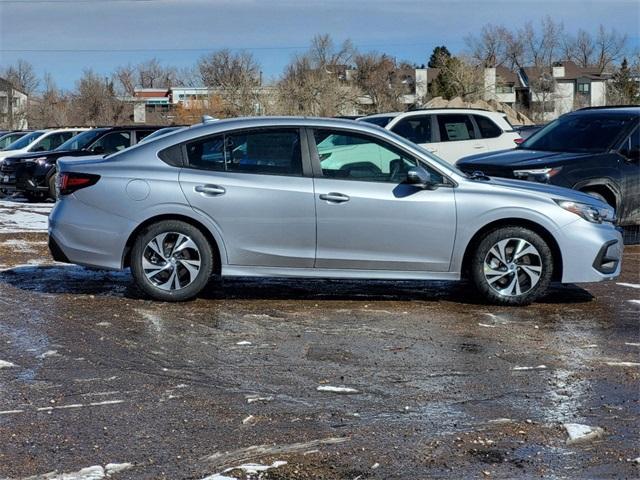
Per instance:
{"type": "Point", "coordinates": [210, 190]}
{"type": "Point", "coordinates": [334, 197]}
{"type": "Point", "coordinates": [478, 146]}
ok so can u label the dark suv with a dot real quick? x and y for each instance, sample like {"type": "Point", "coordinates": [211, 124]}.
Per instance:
{"type": "Point", "coordinates": [594, 150]}
{"type": "Point", "coordinates": [33, 174]}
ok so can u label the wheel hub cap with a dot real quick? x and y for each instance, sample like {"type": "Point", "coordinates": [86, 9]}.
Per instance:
{"type": "Point", "coordinates": [512, 267]}
{"type": "Point", "coordinates": [171, 261]}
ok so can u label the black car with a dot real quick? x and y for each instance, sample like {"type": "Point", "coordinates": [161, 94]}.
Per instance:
{"type": "Point", "coordinates": [595, 150]}
{"type": "Point", "coordinates": [33, 174]}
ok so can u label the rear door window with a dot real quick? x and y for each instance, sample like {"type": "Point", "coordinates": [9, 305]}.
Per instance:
{"type": "Point", "coordinates": [264, 151]}
{"type": "Point", "coordinates": [455, 127]}
{"type": "Point", "coordinates": [416, 129]}
{"type": "Point", "coordinates": [487, 128]}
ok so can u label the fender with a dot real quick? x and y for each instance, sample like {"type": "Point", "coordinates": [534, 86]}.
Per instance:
{"type": "Point", "coordinates": [601, 182]}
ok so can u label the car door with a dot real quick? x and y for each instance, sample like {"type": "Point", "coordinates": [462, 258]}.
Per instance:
{"type": "Point", "coordinates": [492, 136]}
{"type": "Point", "coordinates": [252, 185]}
{"type": "Point", "coordinates": [458, 137]}
{"type": "Point", "coordinates": [368, 218]}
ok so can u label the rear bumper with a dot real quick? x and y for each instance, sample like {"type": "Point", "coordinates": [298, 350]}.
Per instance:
{"type": "Point", "coordinates": [81, 234]}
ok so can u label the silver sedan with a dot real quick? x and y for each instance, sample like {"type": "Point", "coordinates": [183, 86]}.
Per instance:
{"type": "Point", "coordinates": [323, 198]}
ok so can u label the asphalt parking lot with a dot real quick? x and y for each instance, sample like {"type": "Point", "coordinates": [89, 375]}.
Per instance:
{"type": "Point", "coordinates": [339, 379]}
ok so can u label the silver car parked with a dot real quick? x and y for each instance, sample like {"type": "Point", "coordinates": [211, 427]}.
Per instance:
{"type": "Point", "coordinates": [302, 197]}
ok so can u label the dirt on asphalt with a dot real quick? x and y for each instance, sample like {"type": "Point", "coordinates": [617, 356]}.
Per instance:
{"type": "Point", "coordinates": [339, 379]}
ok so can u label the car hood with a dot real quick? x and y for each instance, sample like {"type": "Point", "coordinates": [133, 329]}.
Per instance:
{"type": "Point", "coordinates": [543, 189]}
{"type": "Point", "coordinates": [9, 153]}
{"type": "Point", "coordinates": [519, 158]}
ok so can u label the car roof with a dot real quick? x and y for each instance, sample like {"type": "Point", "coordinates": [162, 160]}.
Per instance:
{"type": "Point", "coordinates": [618, 110]}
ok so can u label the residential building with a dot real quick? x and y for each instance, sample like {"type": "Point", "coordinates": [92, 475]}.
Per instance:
{"type": "Point", "coordinates": [13, 106]}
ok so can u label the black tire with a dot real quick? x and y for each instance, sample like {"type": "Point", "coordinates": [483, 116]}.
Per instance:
{"type": "Point", "coordinates": [33, 197]}
{"type": "Point", "coordinates": [598, 196]}
{"type": "Point", "coordinates": [52, 187]}
{"type": "Point", "coordinates": [542, 259]}
{"type": "Point", "coordinates": [172, 227]}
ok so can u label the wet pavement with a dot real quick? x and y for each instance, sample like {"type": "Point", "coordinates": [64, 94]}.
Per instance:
{"type": "Point", "coordinates": [339, 379]}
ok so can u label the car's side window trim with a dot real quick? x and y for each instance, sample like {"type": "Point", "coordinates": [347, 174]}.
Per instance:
{"type": "Point", "coordinates": [304, 150]}
{"type": "Point", "coordinates": [317, 168]}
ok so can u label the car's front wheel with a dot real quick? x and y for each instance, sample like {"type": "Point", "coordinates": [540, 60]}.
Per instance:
{"type": "Point", "coordinates": [171, 261]}
{"type": "Point", "coordinates": [512, 266]}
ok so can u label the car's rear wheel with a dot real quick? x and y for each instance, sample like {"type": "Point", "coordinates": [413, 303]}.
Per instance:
{"type": "Point", "coordinates": [171, 261]}
{"type": "Point", "coordinates": [512, 266]}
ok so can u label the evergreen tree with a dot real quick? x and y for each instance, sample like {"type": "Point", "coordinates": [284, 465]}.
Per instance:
{"type": "Point", "coordinates": [439, 55]}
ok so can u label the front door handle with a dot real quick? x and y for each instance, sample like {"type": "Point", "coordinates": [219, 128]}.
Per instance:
{"type": "Point", "coordinates": [210, 190]}
{"type": "Point", "coordinates": [478, 146]}
{"type": "Point", "coordinates": [334, 197]}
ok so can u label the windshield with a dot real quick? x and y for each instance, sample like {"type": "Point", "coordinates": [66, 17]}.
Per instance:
{"type": "Point", "coordinates": [81, 141]}
{"type": "Point", "coordinates": [578, 134]}
{"type": "Point", "coordinates": [9, 138]}
{"type": "Point", "coordinates": [24, 141]}
{"type": "Point", "coordinates": [380, 121]}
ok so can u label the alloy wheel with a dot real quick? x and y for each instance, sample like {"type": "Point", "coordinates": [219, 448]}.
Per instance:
{"type": "Point", "coordinates": [171, 261]}
{"type": "Point", "coordinates": [512, 267]}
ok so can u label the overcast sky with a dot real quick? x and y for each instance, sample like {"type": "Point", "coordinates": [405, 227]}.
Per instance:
{"type": "Point", "coordinates": [52, 34]}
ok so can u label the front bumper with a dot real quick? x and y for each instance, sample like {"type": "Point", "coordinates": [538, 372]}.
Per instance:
{"type": "Point", "coordinates": [590, 252]}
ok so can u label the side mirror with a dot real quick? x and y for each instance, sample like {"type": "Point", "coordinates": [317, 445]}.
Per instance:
{"type": "Point", "coordinates": [419, 177]}
{"type": "Point", "coordinates": [632, 155]}
{"type": "Point", "coordinates": [99, 149]}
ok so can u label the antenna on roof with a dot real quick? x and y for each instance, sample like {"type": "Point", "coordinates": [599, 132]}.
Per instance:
{"type": "Point", "coordinates": [208, 118]}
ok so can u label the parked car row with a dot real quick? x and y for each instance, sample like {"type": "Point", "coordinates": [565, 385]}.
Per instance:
{"type": "Point", "coordinates": [28, 165]}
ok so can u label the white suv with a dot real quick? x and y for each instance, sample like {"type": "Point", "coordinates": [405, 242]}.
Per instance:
{"type": "Point", "coordinates": [451, 133]}
{"type": "Point", "coordinates": [40, 141]}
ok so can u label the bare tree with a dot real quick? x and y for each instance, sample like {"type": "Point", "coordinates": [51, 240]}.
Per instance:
{"type": "Point", "coordinates": [125, 79]}
{"type": "Point", "coordinates": [315, 82]}
{"type": "Point", "coordinates": [382, 80]}
{"type": "Point", "coordinates": [151, 74]}
{"type": "Point", "coordinates": [52, 107]}
{"type": "Point", "coordinates": [580, 48]}
{"type": "Point", "coordinates": [22, 77]}
{"type": "Point", "coordinates": [235, 77]}
{"type": "Point", "coordinates": [491, 48]}
{"type": "Point", "coordinates": [609, 48]}
{"type": "Point", "coordinates": [95, 101]}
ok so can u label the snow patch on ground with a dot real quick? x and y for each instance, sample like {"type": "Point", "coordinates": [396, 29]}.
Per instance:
{"type": "Point", "coordinates": [581, 433]}
{"type": "Point", "coordinates": [329, 388]}
{"type": "Point", "coordinates": [247, 469]}
{"type": "Point", "coordinates": [630, 285]}
{"type": "Point", "coordinates": [623, 364]}
{"type": "Point", "coordinates": [95, 472]}
{"type": "Point", "coordinates": [539, 367]}
{"type": "Point", "coordinates": [5, 364]}
{"type": "Point", "coordinates": [21, 218]}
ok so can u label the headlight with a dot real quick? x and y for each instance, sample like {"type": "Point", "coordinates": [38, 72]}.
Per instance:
{"type": "Point", "coordinates": [590, 213]}
{"type": "Point", "coordinates": [39, 160]}
{"type": "Point", "coordinates": [537, 174]}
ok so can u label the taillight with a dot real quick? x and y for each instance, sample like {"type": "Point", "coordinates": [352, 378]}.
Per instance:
{"type": "Point", "coordinates": [69, 182]}
{"type": "Point", "coordinates": [518, 140]}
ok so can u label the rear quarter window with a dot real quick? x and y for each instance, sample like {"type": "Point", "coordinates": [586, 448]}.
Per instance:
{"type": "Point", "coordinates": [488, 129]}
